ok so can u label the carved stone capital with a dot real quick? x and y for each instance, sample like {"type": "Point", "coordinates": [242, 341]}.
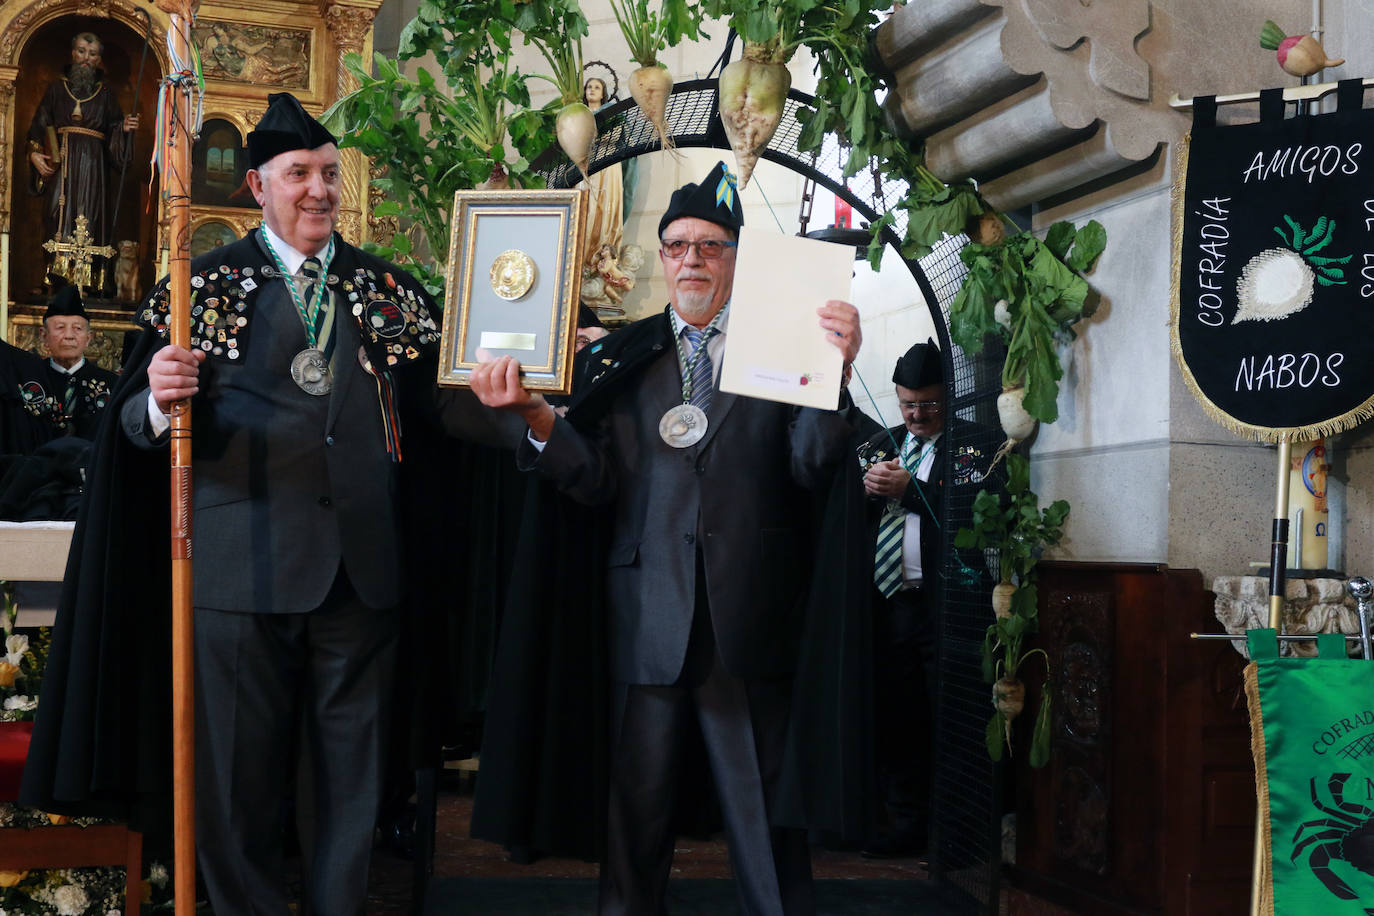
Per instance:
{"type": "Point", "coordinates": [349, 25]}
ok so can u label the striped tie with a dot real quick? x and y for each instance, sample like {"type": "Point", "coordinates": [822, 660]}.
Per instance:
{"type": "Point", "coordinates": [887, 564]}
{"type": "Point", "coordinates": [701, 367]}
{"type": "Point", "coordinates": [313, 271]}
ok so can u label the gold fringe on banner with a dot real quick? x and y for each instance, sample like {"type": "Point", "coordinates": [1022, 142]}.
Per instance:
{"type": "Point", "coordinates": [1266, 876]}
{"type": "Point", "coordinates": [1318, 430]}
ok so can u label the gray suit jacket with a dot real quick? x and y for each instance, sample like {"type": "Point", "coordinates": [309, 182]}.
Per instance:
{"type": "Point", "coordinates": [288, 485]}
{"type": "Point", "coordinates": [739, 498]}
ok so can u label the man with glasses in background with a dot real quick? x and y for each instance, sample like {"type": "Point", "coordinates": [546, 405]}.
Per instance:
{"type": "Point", "coordinates": [904, 479]}
{"type": "Point", "coordinates": [707, 571]}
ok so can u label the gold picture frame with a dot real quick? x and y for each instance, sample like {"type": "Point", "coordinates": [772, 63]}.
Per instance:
{"type": "Point", "coordinates": [514, 284]}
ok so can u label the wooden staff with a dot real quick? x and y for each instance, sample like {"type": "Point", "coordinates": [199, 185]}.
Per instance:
{"type": "Point", "coordinates": [176, 159]}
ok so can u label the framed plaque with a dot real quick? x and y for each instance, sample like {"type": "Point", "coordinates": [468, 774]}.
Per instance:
{"type": "Point", "coordinates": [514, 280]}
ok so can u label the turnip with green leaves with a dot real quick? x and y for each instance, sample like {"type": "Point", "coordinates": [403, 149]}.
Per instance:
{"type": "Point", "coordinates": [753, 91]}
{"type": "Point", "coordinates": [646, 33]}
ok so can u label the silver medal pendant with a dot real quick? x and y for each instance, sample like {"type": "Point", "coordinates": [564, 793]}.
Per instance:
{"type": "Point", "coordinates": [310, 370]}
{"type": "Point", "coordinates": [683, 426]}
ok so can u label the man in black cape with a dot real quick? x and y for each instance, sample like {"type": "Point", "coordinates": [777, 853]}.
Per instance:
{"type": "Point", "coordinates": [904, 479]}
{"type": "Point", "coordinates": [709, 623]}
{"type": "Point", "coordinates": [309, 358]}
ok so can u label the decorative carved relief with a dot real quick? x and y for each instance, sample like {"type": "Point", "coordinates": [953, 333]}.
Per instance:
{"type": "Point", "coordinates": [254, 54]}
{"type": "Point", "coordinates": [6, 114]}
{"type": "Point", "coordinates": [383, 227]}
{"type": "Point", "coordinates": [350, 225]}
{"type": "Point", "coordinates": [350, 26]}
{"type": "Point", "coordinates": [37, 13]}
{"type": "Point", "coordinates": [1110, 30]}
{"type": "Point", "coordinates": [1079, 644]}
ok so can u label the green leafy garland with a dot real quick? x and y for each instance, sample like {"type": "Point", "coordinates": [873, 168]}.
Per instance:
{"type": "Point", "coordinates": [1013, 524]}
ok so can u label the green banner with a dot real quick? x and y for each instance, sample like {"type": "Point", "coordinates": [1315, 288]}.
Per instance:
{"type": "Point", "coordinates": [1312, 733]}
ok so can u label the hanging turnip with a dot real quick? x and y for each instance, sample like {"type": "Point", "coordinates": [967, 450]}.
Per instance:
{"type": "Point", "coordinates": [1300, 55]}
{"type": "Point", "coordinates": [647, 33]}
{"type": "Point", "coordinates": [575, 125]}
{"type": "Point", "coordinates": [1017, 423]}
{"type": "Point", "coordinates": [575, 129]}
{"type": "Point", "coordinates": [1001, 599]}
{"type": "Point", "coordinates": [753, 91]}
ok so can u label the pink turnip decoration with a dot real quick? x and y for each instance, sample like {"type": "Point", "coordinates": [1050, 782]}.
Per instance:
{"type": "Point", "coordinates": [1300, 55]}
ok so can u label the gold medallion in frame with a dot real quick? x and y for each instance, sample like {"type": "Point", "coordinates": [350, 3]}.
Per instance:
{"type": "Point", "coordinates": [539, 236]}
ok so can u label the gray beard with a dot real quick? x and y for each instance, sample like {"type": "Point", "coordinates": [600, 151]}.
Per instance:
{"type": "Point", "coordinates": [81, 80]}
{"type": "Point", "coordinates": [694, 306]}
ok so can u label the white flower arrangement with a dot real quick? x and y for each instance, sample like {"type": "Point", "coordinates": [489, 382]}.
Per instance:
{"type": "Point", "coordinates": [16, 645]}
{"type": "Point", "coordinates": [21, 668]}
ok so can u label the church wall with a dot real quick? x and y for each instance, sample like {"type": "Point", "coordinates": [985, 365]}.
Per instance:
{"type": "Point", "coordinates": [1205, 497]}
{"type": "Point", "coordinates": [1108, 453]}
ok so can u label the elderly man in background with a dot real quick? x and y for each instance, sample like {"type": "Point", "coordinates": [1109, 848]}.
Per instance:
{"type": "Point", "coordinates": [904, 479]}
{"type": "Point", "coordinates": [80, 389]}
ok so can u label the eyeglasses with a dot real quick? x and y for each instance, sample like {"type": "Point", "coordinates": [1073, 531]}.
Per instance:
{"type": "Point", "coordinates": [923, 406]}
{"type": "Point", "coordinates": [710, 249]}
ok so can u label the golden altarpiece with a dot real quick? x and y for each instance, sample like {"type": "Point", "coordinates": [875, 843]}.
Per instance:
{"type": "Point", "coordinates": [248, 49]}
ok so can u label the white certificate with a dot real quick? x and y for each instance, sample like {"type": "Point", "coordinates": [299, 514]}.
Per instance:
{"type": "Point", "coordinates": [775, 348]}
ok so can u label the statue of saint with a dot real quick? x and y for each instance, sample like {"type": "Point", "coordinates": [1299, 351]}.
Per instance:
{"type": "Point", "coordinates": [77, 134]}
{"type": "Point", "coordinates": [604, 281]}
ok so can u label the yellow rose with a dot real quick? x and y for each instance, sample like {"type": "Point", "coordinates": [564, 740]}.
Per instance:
{"type": "Point", "coordinates": [11, 878]}
{"type": "Point", "coordinates": [8, 673]}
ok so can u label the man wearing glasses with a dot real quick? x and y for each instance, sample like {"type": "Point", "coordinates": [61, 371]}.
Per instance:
{"type": "Point", "coordinates": [903, 477]}
{"type": "Point", "coordinates": [708, 557]}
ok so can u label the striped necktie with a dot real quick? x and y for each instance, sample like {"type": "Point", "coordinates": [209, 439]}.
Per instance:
{"type": "Point", "coordinates": [323, 315]}
{"type": "Point", "coordinates": [887, 562]}
{"type": "Point", "coordinates": [700, 367]}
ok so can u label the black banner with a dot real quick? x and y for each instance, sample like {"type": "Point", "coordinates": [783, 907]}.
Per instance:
{"type": "Point", "coordinates": [1274, 268]}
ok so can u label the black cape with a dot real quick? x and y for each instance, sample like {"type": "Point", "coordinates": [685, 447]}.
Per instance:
{"type": "Point", "coordinates": [545, 750]}
{"type": "Point", "coordinates": [102, 742]}
{"type": "Point", "coordinates": [27, 408]}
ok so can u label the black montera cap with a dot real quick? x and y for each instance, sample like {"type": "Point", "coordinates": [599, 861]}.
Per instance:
{"type": "Point", "coordinates": [286, 126]}
{"type": "Point", "coordinates": [66, 302]}
{"type": "Point", "coordinates": [714, 200]}
{"type": "Point", "coordinates": [920, 366]}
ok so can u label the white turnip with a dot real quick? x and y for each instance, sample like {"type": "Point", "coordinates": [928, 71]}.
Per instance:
{"type": "Point", "coordinates": [1009, 696]}
{"type": "Point", "coordinates": [753, 91]}
{"type": "Point", "coordinates": [650, 88]}
{"type": "Point", "coordinates": [1017, 422]}
{"type": "Point", "coordinates": [576, 131]}
{"type": "Point", "coordinates": [1001, 599]}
